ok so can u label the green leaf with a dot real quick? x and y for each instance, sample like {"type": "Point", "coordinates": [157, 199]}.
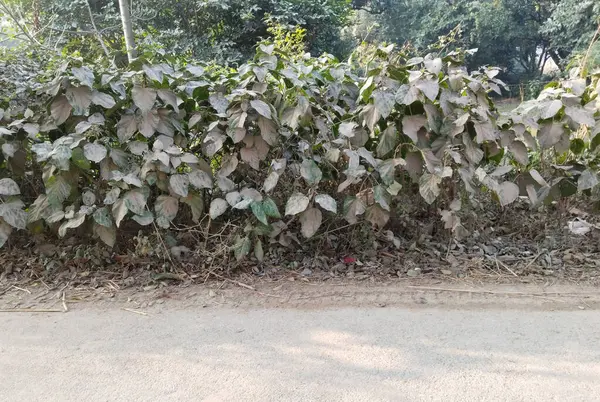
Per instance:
{"type": "Point", "coordinates": [388, 140]}
{"type": "Point", "coordinates": [381, 196]}
{"type": "Point", "coordinates": [577, 146]}
{"type": "Point", "coordinates": [144, 219]}
{"type": "Point", "coordinates": [135, 201]}
{"type": "Point", "coordinates": [180, 184]}
{"type": "Point", "coordinates": [311, 172]}
{"type": "Point", "coordinates": [270, 208]}
{"type": "Point", "coordinates": [259, 212]}
{"type": "Point", "coordinates": [241, 247]}
{"type": "Point", "coordinates": [102, 217]}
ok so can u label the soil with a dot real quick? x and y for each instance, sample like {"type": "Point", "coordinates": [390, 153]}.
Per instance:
{"type": "Point", "coordinates": [414, 262]}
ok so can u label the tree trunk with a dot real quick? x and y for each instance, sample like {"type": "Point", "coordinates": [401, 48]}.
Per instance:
{"type": "Point", "coordinates": [127, 30]}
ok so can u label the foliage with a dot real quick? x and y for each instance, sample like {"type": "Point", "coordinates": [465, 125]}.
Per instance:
{"type": "Point", "coordinates": [225, 31]}
{"type": "Point", "coordinates": [282, 143]}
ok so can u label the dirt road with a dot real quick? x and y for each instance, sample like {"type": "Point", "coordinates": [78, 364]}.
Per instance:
{"type": "Point", "coordinates": [354, 353]}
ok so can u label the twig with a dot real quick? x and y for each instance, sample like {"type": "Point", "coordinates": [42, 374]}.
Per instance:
{"type": "Point", "coordinates": [498, 263]}
{"type": "Point", "coordinates": [98, 36]}
{"type": "Point", "coordinates": [532, 261]}
{"type": "Point", "coordinates": [21, 289]}
{"type": "Point", "coordinates": [491, 292]}
{"type": "Point", "coordinates": [31, 310]}
{"type": "Point", "coordinates": [234, 282]}
{"type": "Point", "coordinates": [64, 303]}
{"type": "Point", "coordinates": [135, 311]}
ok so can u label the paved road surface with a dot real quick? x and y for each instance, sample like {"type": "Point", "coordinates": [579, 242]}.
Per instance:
{"type": "Point", "coordinates": [385, 354]}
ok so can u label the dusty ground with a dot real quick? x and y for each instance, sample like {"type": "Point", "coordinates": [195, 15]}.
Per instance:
{"type": "Point", "coordinates": [306, 295]}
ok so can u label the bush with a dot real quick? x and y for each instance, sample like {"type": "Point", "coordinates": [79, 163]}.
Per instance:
{"type": "Point", "coordinates": [279, 142]}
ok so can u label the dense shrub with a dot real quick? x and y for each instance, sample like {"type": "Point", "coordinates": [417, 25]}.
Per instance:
{"type": "Point", "coordinates": [276, 140]}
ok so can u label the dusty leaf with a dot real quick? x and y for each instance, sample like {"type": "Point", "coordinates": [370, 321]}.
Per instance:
{"type": "Point", "coordinates": [166, 208]}
{"type": "Point", "coordinates": [388, 140]}
{"type": "Point", "coordinates": [180, 184]}
{"type": "Point", "coordinates": [411, 126]}
{"type": "Point", "coordinates": [270, 182]}
{"type": "Point", "coordinates": [429, 187]}
{"type": "Point", "coordinates": [549, 134]}
{"type": "Point", "coordinates": [143, 98]}
{"type": "Point", "coordinates": [80, 98]}
{"type": "Point", "coordinates": [241, 247]}
{"type": "Point", "coordinates": [310, 221]}
{"type": "Point", "coordinates": [587, 180]}
{"type": "Point", "coordinates": [60, 109]}
{"type": "Point", "coordinates": [377, 216]}
{"type": "Point", "coordinates": [384, 102]}
{"type": "Point", "coordinates": [270, 208]}
{"type": "Point", "coordinates": [259, 212]}
{"type": "Point", "coordinates": [200, 179]}
{"type": "Point", "coordinates": [311, 172]}
{"type": "Point", "coordinates": [108, 235]}
{"type": "Point", "coordinates": [507, 192]}
{"type": "Point", "coordinates": [326, 202]}
{"type": "Point", "coordinates": [102, 99]}
{"type": "Point", "coordinates": [261, 108]}
{"type": "Point", "coordinates": [94, 152]}
{"type": "Point", "coordinates": [251, 157]}
{"type": "Point", "coordinates": [218, 206]}
{"type": "Point", "coordinates": [135, 201]}
{"type": "Point", "coordinates": [519, 151]}
{"type": "Point", "coordinates": [144, 219]}
{"type": "Point", "coordinates": [9, 187]}
{"type": "Point", "coordinates": [296, 203]}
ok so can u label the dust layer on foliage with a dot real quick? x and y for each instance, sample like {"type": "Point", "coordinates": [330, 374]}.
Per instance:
{"type": "Point", "coordinates": [255, 160]}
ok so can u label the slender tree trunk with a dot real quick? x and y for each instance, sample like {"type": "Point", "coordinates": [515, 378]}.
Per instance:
{"type": "Point", "coordinates": [127, 30]}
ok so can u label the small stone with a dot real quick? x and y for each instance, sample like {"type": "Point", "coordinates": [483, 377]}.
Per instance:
{"type": "Point", "coordinates": [306, 272]}
{"type": "Point", "coordinates": [446, 272]}
{"type": "Point", "coordinates": [489, 250]}
{"type": "Point", "coordinates": [212, 293]}
{"type": "Point", "coordinates": [413, 272]}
